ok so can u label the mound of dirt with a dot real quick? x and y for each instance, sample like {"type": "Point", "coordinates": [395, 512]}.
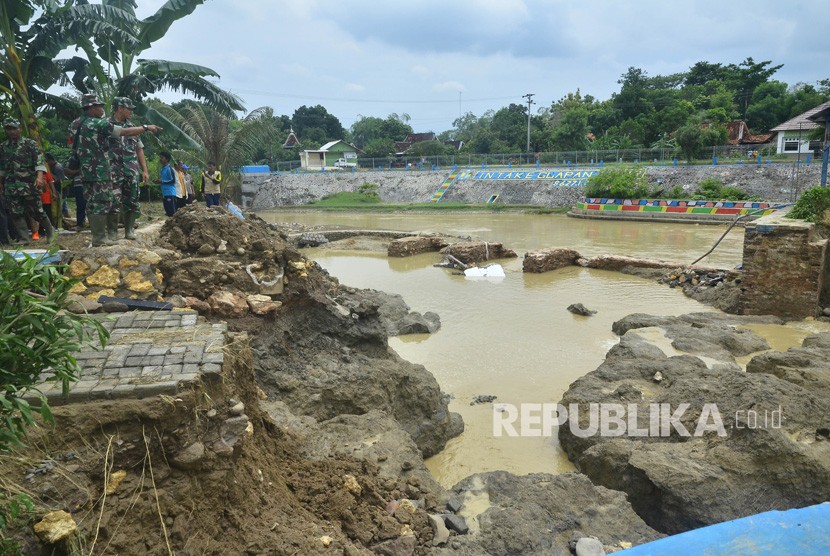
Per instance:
{"type": "Point", "coordinates": [147, 477]}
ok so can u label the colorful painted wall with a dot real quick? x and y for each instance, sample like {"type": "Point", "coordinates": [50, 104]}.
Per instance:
{"type": "Point", "coordinates": [674, 207]}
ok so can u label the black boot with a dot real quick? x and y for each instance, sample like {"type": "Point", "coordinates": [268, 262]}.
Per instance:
{"type": "Point", "coordinates": [22, 229]}
{"type": "Point", "coordinates": [112, 227]}
{"type": "Point", "coordinates": [98, 226]}
{"type": "Point", "coordinates": [46, 226]}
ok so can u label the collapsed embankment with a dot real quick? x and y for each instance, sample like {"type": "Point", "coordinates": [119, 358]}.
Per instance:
{"type": "Point", "coordinates": [312, 441]}
{"type": "Point", "coordinates": [774, 182]}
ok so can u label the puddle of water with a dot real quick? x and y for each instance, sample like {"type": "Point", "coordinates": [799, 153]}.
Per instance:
{"type": "Point", "coordinates": [782, 337]}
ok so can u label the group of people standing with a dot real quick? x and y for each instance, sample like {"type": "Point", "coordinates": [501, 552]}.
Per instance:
{"type": "Point", "coordinates": [107, 160]}
{"type": "Point", "coordinates": [107, 168]}
{"type": "Point", "coordinates": [22, 181]}
{"type": "Point", "coordinates": [110, 166]}
{"type": "Point", "coordinates": [177, 184]}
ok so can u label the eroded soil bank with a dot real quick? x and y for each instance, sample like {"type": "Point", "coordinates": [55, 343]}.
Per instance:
{"type": "Point", "coordinates": [312, 441]}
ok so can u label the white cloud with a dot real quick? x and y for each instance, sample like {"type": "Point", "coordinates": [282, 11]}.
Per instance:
{"type": "Point", "coordinates": [448, 86]}
{"type": "Point", "coordinates": [415, 57]}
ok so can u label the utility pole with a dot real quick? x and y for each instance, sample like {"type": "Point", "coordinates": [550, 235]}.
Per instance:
{"type": "Point", "coordinates": [529, 97]}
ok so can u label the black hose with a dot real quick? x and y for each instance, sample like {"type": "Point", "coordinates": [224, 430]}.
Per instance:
{"type": "Point", "coordinates": [732, 225]}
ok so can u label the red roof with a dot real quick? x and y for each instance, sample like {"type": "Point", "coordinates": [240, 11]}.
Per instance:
{"type": "Point", "coordinates": [739, 134]}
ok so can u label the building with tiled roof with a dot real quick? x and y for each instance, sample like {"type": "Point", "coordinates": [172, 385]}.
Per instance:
{"type": "Point", "coordinates": [739, 134]}
{"type": "Point", "coordinates": [793, 135]}
{"type": "Point", "coordinates": [291, 141]}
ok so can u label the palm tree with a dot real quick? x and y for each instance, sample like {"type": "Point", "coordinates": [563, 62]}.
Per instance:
{"type": "Point", "coordinates": [227, 141]}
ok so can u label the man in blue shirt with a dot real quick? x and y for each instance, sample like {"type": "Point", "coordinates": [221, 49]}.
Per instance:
{"type": "Point", "coordinates": [168, 184]}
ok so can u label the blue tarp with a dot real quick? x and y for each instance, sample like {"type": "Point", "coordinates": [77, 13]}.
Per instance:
{"type": "Point", "coordinates": [255, 170]}
{"type": "Point", "coordinates": [41, 254]}
{"type": "Point", "coordinates": [801, 532]}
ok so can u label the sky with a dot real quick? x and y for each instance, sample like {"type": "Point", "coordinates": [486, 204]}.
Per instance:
{"type": "Point", "coordinates": [437, 59]}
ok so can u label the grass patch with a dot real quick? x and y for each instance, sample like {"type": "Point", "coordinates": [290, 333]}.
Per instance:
{"type": "Point", "coordinates": [346, 199]}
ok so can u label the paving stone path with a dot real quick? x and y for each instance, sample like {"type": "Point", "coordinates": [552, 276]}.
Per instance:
{"type": "Point", "coordinates": [148, 353]}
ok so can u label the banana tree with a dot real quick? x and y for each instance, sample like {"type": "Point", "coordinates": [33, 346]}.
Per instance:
{"type": "Point", "coordinates": [118, 70]}
{"type": "Point", "coordinates": [28, 64]}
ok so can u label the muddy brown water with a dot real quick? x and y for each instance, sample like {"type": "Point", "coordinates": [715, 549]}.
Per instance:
{"type": "Point", "coordinates": [513, 338]}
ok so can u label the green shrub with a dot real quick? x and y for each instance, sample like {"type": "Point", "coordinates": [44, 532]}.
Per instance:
{"type": "Point", "coordinates": [812, 204]}
{"type": "Point", "coordinates": [36, 334]}
{"type": "Point", "coordinates": [369, 190]}
{"type": "Point", "coordinates": [712, 189]}
{"type": "Point", "coordinates": [709, 188]}
{"type": "Point", "coordinates": [618, 183]}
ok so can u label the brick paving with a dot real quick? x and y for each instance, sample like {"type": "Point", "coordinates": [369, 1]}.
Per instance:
{"type": "Point", "coordinates": [148, 353]}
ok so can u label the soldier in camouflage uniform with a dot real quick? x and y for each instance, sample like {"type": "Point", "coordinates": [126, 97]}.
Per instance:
{"type": "Point", "coordinates": [128, 165]}
{"type": "Point", "coordinates": [22, 170]}
{"type": "Point", "coordinates": [92, 147]}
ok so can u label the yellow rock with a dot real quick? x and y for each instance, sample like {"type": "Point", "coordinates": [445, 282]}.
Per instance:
{"type": "Point", "coordinates": [55, 527]}
{"type": "Point", "coordinates": [136, 282]}
{"type": "Point", "coordinates": [78, 268]}
{"type": "Point", "coordinates": [95, 295]}
{"type": "Point", "coordinates": [406, 530]}
{"type": "Point", "coordinates": [127, 262]}
{"type": "Point", "coordinates": [326, 540]}
{"type": "Point", "coordinates": [115, 481]}
{"type": "Point", "coordinates": [407, 506]}
{"type": "Point", "coordinates": [159, 277]}
{"type": "Point", "coordinates": [350, 483]}
{"type": "Point", "coordinates": [78, 288]}
{"type": "Point", "coordinates": [625, 545]}
{"type": "Point", "coordinates": [106, 277]}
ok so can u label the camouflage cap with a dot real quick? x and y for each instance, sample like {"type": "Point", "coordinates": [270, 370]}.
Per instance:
{"type": "Point", "coordinates": [90, 100]}
{"type": "Point", "coordinates": [123, 101]}
{"type": "Point", "coordinates": [11, 122]}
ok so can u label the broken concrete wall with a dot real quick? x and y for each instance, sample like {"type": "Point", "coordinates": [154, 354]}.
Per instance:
{"type": "Point", "coordinates": [784, 268]}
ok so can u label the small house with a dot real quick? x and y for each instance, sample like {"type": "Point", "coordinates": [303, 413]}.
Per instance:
{"type": "Point", "coordinates": [793, 135]}
{"type": "Point", "coordinates": [328, 155]}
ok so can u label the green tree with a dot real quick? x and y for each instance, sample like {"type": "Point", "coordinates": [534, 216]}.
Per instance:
{"type": "Point", "coordinates": [465, 127]}
{"type": "Point", "coordinates": [368, 128]}
{"type": "Point", "coordinates": [315, 125]}
{"type": "Point", "coordinates": [427, 148]}
{"type": "Point", "coordinates": [36, 333]}
{"type": "Point", "coordinates": [771, 105]}
{"type": "Point", "coordinates": [690, 140]}
{"type": "Point", "coordinates": [745, 78]}
{"type": "Point", "coordinates": [379, 148]}
{"type": "Point", "coordinates": [509, 125]}
{"type": "Point", "coordinates": [567, 122]}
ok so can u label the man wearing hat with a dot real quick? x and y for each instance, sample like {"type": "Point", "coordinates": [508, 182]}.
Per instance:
{"type": "Point", "coordinates": [129, 167]}
{"type": "Point", "coordinates": [92, 146]}
{"type": "Point", "coordinates": [22, 170]}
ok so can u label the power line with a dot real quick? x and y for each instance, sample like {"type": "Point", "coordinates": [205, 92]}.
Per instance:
{"type": "Point", "coordinates": [375, 101]}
